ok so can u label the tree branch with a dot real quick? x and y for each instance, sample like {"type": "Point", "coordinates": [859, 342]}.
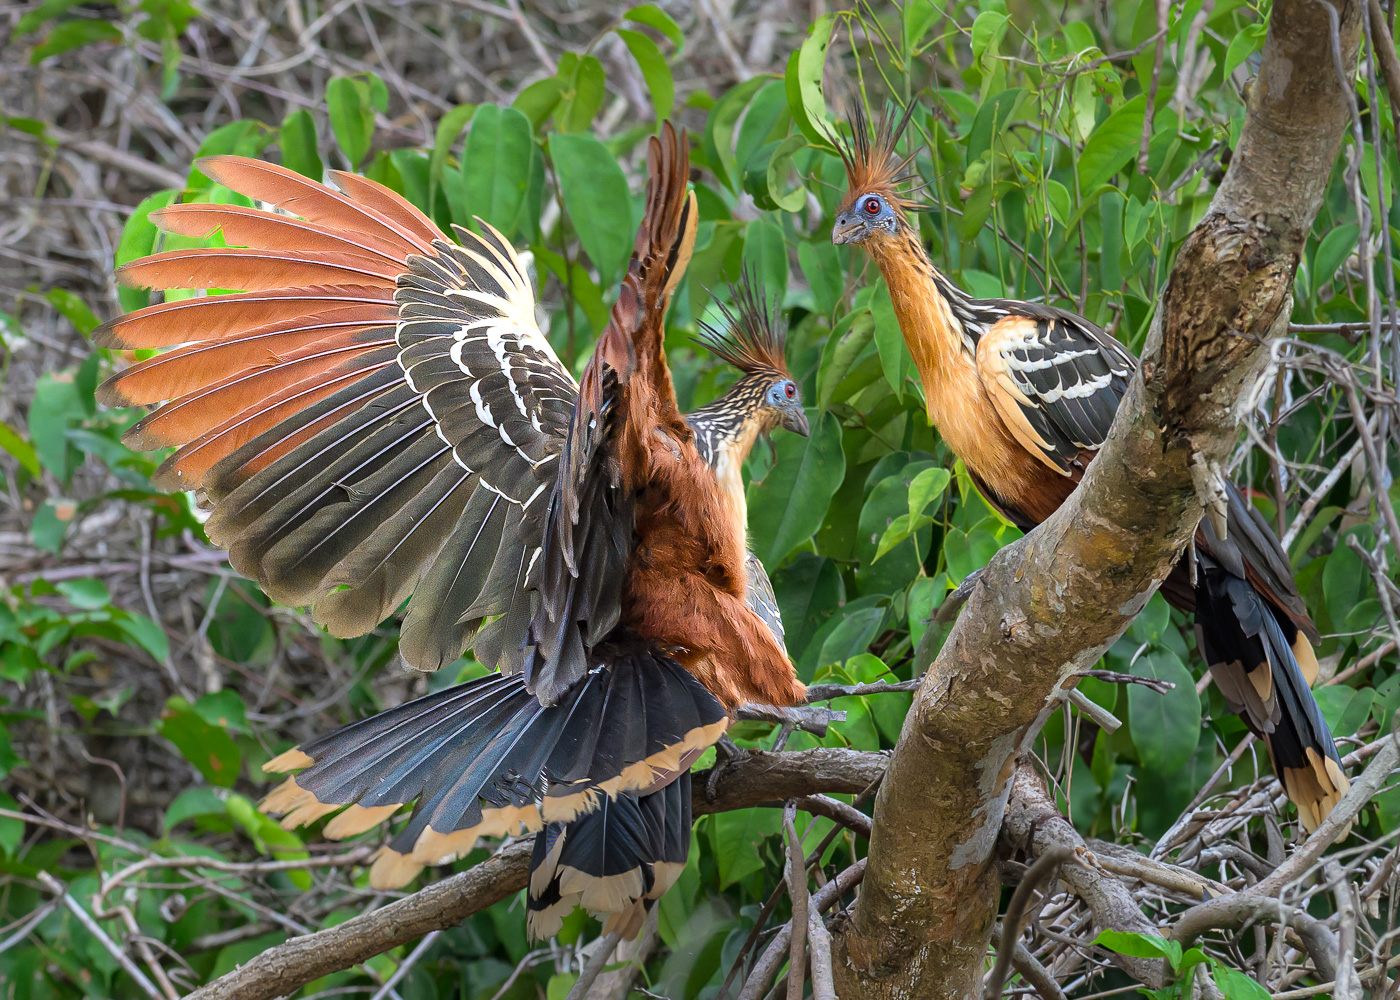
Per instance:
{"type": "Point", "coordinates": [753, 779]}
{"type": "Point", "coordinates": [1049, 605]}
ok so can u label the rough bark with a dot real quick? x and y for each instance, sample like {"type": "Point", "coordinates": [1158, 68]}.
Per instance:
{"type": "Point", "coordinates": [749, 780]}
{"type": "Point", "coordinates": [1051, 604]}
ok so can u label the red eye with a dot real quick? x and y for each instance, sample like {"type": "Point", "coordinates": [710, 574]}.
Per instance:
{"type": "Point", "coordinates": [872, 206]}
{"type": "Point", "coordinates": [790, 390]}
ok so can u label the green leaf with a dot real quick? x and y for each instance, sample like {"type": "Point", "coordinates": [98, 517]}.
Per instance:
{"type": "Point", "coordinates": [654, 17]}
{"type": "Point", "coordinates": [898, 530]}
{"type": "Point", "coordinates": [927, 487]}
{"type": "Point", "coordinates": [1334, 249]}
{"type": "Point", "coordinates": [299, 147]}
{"type": "Point", "coordinates": [851, 638]}
{"type": "Point", "coordinates": [46, 11]}
{"type": "Point", "coordinates": [197, 800]}
{"type": "Point", "coordinates": [224, 709]}
{"type": "Point", "coordinates": [779, 167]}
{"type": "Point", "coordinates": [21, 449]}
{"type": "Point", "coordinates": [448, 130]}
{"type": "Point", "coordinates": [349, 102]}
{"type": "Point", "coordinates": [51, 522]}
{"type": "Point", "coordinates": [597, 200]}
{"type": "Point", "coordinates": [1165, 727]}
{"type": "Point", "coordinates": [539, 100]}
{"type": "Point", "coordinates": [74, 309]}
{"type": "Point", "coordinates": [1236, 985]}
{"type": "Point", "coordinates": [987, 32]}
{"type": "Point", "coordinates": [821, 267]}
{"type": "Point", "coordinates": [1112, 145]}
{"type": "Point", "coordinates": [845, 344]}
{"type": "Point", "coordinates": [583, 91]}
{"type": "Point", "coordinates": [788, 505]}
{"type": "Point", "coordinates": [766, 257]}
{"type": "Point", "coordinates": [809, 590]}
{"type": "Point", "coordinates": [86, 592]}
{"type": "Point", "coordinates": [654, 70]}
{"type": "Point", "coordinates": [496, 167]}
{"type": "Point", "coordinates": [1344, 579]}
{"type": "Point", "coordinates": [139, 240]}
{"type": "Point", "coordinates": [71, 35]}
{"type": "Point", "coordinates": [244, 137]}
{"type": "Point", "coordinates": [207, 747]}
{"type": "Point", "coordinates": [55, 405]}
{"type": "Point", "coordinates": [737, 837]}
{"type": "Point", "coordinates": [721, 125]}
{"type": "Point", "coordinates": [991, 117]}
{"type": "Point", "coordinates": [804, 82]}
{"type": "Point", "coordinates": [146, 633]}
{"type": "Point", "coordinates": [1245, 44]}
{"type": "Point", "coordinates": [1140, 945]}
{"type": "Point", "coordinates": [919, 17]}
{"type": "Point", "coordinates": [889, 341]}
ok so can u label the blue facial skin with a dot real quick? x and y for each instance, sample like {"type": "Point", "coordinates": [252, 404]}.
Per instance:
{"type": "Point", "coordinates": [784, 397]}
{"type": "Point", "coordinates": [869, 214]}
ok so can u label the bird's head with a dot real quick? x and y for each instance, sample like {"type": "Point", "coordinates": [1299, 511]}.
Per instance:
{"type": "Point", "coordinates": [869, 216]}
{"type": "Point", "coordinates": [877, 195]}
{"type": "Point", "coordinates": [755, 342]}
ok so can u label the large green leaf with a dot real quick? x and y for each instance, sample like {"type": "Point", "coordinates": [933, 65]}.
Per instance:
{"type": "Point", "coordinates": [1165, 727]}
{"type": "Point", "coordinates": [804, 81]}
{"type": "Point", "coordinates": [349, 102]}
{"type": "Point", "coordinates": [654, 70]}
{"type": "Point", "coordinates": [496, 166]}
{"type": "Point", "coordinates": [1112, 145]}
{"type": "Point", "coordinates": [788, 505]}
{"type": "Point", "coordinates": [298, 141]}
{"type": "Point", "coordinates": [597, 199]}
{"type": "Point", "coordinates": [766, 257]}
{"type": "Point", "coordinates": [208, 747]}
{"type": "Point", "coordinates": [809, 591]}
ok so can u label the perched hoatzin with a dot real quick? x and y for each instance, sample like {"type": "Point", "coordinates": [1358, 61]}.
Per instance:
{"type": "Point", "coordinates": [1025, 394]}
{"type": "Point", "coordinates": [378, 418]}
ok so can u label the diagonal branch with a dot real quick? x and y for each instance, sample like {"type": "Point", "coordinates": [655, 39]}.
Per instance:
{"type": "Point", "coordinates": [1048, 606]}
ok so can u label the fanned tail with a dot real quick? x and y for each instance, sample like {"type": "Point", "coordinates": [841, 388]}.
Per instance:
{"type": "Point", "coordinates": [1260, 659]}
{"type": "Point", "coordinates": [614, 862]}
{"type": "Point", "coordinates": [485, 758]}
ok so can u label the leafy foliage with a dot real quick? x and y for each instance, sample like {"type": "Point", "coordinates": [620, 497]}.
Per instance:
{"type": "Point", "coordinates": [1042, 183]}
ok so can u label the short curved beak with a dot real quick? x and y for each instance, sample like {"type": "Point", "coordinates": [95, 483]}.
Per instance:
{"type": "Point", "coordinates": [845, 231]}
{"type": "Point", "coordinates": [795, 420]}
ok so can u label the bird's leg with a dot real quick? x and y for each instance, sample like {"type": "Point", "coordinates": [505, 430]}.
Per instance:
{"type": "Point", "coordinates": [953, 603]}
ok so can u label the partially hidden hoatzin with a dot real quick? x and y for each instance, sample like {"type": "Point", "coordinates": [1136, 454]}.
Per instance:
{"type": "Point", "coordinates": [378, 417]}
{"type": "Point", "coordinates": [1024, 394]}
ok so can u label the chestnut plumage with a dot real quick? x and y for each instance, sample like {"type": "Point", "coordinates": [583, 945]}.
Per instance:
{"type": "Point", "coordinates": [378, 419]}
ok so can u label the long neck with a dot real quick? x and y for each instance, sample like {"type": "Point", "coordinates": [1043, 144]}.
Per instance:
{"type": "Point", "coordinates": [725, 432]}
{"type": "Point", "coordinates": [942, 326]}
{"type": "Point", "coordinates": [931, 310]}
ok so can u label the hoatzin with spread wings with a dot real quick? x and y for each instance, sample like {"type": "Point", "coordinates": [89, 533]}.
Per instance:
{"type": "Point", "coordinates": [1024, 394]}
{"type": "Point", "coordinates": [378, 418]}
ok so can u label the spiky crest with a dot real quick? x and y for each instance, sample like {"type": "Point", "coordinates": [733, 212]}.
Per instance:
{"type": "Point", "coordinates": [756, 340]}
{"type": "Point", "coordinates": [872, 165]}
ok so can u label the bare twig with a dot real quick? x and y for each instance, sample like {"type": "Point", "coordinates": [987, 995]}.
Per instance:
{"type": "Point", "coordinates": [602, 953]}
{"type": "Point", "coordinates": [797, 892]}
{"type": "Point", "coordinates": [1043, 870]}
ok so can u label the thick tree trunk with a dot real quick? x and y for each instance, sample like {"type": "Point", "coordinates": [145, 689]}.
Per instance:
{"type": "Point", "coordinates": [1049, 606]}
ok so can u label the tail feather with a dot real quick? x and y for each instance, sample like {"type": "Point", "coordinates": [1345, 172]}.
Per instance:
{"type": "Point", "coordinates": [1257, 656]}
{"type": "Point", "coordinates": [485, 758]}
{"type": "Point", "coordinates": [614, 862]}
